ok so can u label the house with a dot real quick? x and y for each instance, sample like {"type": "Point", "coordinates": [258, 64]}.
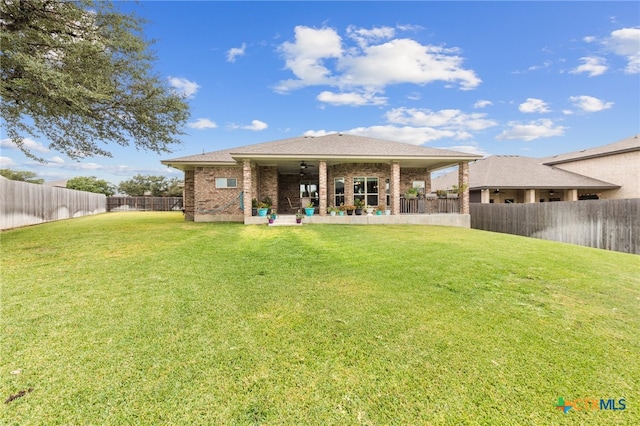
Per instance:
{"type": "Point", "coordinates": [323, 171]}
{"type": "Point", "coordinates": [605, 172]}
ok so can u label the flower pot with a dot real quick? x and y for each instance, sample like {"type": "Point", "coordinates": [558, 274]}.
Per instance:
{"type": "Point", "coordinates": [358, 212]}
{"type": "Point", "coordinates": [387, 212]}
{"type": "Point", "coordinates": [298, 220]}
{"type": "Point", "coordinates": [350, 212]}
{"type": "Point", "coordinates": [254, 211]}
{"type": "Point", "coordinates": [309, 211]}
{"type": "Point", "coordinates": [340, 213]}
{"type": "Point", "coordinates": [262, 212]}
{"type": "Point", "coordinates": [271, 220]}
{"type": "Point", "coordinates": [332, 213]}
{"type": "Point", "coordinates": [379, 212]}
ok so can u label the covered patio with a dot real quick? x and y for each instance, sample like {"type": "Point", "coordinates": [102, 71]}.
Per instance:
{"type": "Point", "coordinates": [336, 170]}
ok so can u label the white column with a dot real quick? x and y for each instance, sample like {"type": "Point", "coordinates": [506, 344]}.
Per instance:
{"type": "Point", "coordinates": [529, 195]}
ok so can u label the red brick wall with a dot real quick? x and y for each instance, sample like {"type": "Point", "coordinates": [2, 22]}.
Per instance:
{"type": "Point", "coordinates": [208, 198]}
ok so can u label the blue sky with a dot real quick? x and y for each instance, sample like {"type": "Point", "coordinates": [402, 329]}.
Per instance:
{"type": "Point", "coordinates": [518, 78]}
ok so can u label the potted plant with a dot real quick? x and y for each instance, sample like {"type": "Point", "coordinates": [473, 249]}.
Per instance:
{"type": "Point", "coordinates": [309, 210]}
{"type": "Point", "coordinates": [274, 216]}
{"type": "Point", "coordinates": [267, 201]}
{"type": "Point", "coordinates": [349, 208]}
{"type": "Point", "coordinates": [299, 217]}
{"type": "Point", "coordinates": [381, 208]}
{"type": "Point", "coordinates": [411, 193]}
{"type": "Point", "coordinates": [441, 193]}
{"type": "Point", "coordinates": [369, 209]}
{"type": "Point", "coordinates": [263, 208]}
{"type": "Point", "coordinates": [359, 204]}
{"type": "Point", "coordinates": [332, 210]}
{"type": "Point", "coordinates": [341, 210]}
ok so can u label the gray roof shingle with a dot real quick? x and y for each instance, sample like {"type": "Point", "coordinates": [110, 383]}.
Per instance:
{"type": "Point", "coordinates": [512, 171]}
{"type": "Point", "coordinates": [332, 145]}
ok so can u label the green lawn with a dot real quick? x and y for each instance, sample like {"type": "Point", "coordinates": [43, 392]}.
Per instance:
{"type": "Point", "coordinates": [141, 318]}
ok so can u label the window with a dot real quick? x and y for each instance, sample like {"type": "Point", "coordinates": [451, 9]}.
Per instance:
{"type": "Point", "coordinates": [366, 188]}
{"type": "Point", "coordinates": [338, 191]}
{"type": "Point", "coordinates": [226, 183]}
{"type": "Point", "coordinates": [309, 193]}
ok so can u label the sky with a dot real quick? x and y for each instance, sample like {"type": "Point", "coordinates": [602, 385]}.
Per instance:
{"type": "Point", "coordinates": [491, 78]}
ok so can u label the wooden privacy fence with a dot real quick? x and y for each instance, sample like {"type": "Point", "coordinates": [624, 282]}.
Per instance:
{"type": "Point", "coordinates": [606, 224]}
{"type": "Point", "coordinates": [23, 203]}
{"type": "Point", "coordinates": [161, 204]}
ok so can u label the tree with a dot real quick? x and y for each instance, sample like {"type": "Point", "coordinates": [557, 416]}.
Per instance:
{"type": "Point", "coordinates": [22, 176]}
{"type": "Point", "coordinates": [91, 184]}
{"type": "Point", "coordinates": [155, 186]}
{"type": "Point", "coordinates": [80, 74]}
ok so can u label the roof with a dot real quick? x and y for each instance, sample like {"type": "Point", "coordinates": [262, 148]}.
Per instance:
{"type": "Point", "coordinates": [57, 183]}
{"type": "Point", "coordinates": [513, 171]}
{"type": "Point", "coordinates": [335, 146]}
{"type": "Point", "coordinates": [620, 147]}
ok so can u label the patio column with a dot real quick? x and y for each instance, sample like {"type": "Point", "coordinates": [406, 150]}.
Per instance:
{"type": "Point", "coordinates": [529, 195]}
{"type": "Point", "coordinates": [395, 188]}
{"type": "Point", "coordinates": [463, 182]}
{"type": "Point", "coordinates": [572, 194]}
{"type": "Point", "coordinates": [427, 183]}
{"type": "Point", "coordinates": [246, 188]}
{"type": "Point", "coordinates": [485, 196]}
{"type": "Point", "coordinates": [322, 187]}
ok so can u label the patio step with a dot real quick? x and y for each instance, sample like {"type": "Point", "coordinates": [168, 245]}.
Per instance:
{"type": "Point", "coordinates": [285, 220]}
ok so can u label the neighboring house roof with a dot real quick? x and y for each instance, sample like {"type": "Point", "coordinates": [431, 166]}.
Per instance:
{"type": "Point", "coordinates": [57, 183]}
{"type": "Point", "coordinates": [513, 171]}
{"type": "Point", "coordinates": [336, 146]}
{"type": "Point", "coordinates": [620, 147]}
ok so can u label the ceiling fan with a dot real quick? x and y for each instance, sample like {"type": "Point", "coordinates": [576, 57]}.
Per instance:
{"type": "Point", "coordinates": [304, 165]}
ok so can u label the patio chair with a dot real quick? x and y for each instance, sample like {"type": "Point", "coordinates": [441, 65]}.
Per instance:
{"type": "Point", "coordinates": [294, 209]}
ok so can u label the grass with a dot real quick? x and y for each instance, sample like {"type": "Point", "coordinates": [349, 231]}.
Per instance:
{"type": "Point", "coordinates": [141, 318]}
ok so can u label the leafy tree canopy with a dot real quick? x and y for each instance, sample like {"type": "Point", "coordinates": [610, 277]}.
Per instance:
{"type": "Point", "coordinates": [23, 176]}
{"type": "Point", "coordinates": [91, 184]}
{"type": "Point", "coordinates": [80, 74]}
{"type": "Point", "coordinates": [155, 186]}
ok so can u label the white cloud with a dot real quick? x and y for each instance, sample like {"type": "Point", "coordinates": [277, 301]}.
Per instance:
{"type": "Point", "coordinates": [589, 39]}
{"type": "Point", "coordinates": [305, 57]}
{"type": "Point", "coordinates": [590, 104]}
{"type": "Point", "coordinates": [353, 98]}
{"type": "Point", "coordinates": [531, 131]}
{"type": "Point", "coordinates": [235, 52]}
{"type": "Point", "coordinates": [592, 65]}
{"type": "Point", "coordinates": [183, 86]}
{"type": "Point", "coordinates": [364, 36]}
{"type": "Point", "coordinates": [626, 42]}
{"type": "Point", "coordinates": [256, 125]}
{"type": "Point", "coordinates": [533, 105]}
{"type": "Point", "coordinates": [482, 103]}
{"type": "Point", "coordinates": [407, 134]}
{"type": "Point", "coordinates": [203, 123]}
{"type": "Point", "coordinates": [27, 143]}
{"type": "Point", "coordinates": [318, 57]}
{"type": "Point", "coordinates": [56, 160]}
{"type": "Point", "coordinates": [451, 119]}
{"type": "Point", "coordinates": [405, 61]}
{"type": "Point", "coordinates": [6, 162]}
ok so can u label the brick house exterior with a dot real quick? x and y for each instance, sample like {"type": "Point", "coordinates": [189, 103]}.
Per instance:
{"type": "Point", "coordinates": [221, 185]}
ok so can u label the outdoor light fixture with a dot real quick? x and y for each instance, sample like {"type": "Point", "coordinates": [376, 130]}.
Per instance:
{"type": "Point", "coordinates": [497, 191]}
{"type": "Point", "coordinates": [551, 192]}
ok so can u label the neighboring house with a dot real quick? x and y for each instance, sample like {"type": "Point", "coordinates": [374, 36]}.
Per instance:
{"type": "Point", "coordinates": [606, 172]}
{"type": "Point", "coordinates": [57, 183]}
{"type": "Point", "coordinates": [325, 171]}
{"type": "Point", "coordinates": [617, 163]}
